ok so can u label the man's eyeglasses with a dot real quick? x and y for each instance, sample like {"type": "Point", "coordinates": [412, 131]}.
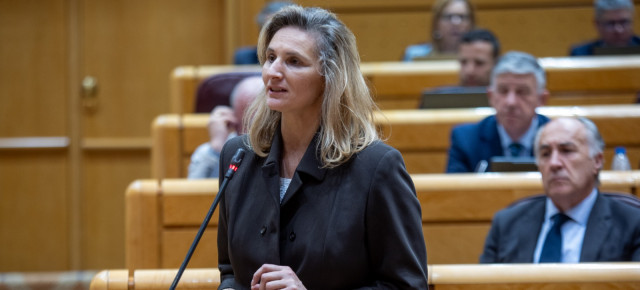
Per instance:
{"type": "Point", "coordinates": [613, 24]}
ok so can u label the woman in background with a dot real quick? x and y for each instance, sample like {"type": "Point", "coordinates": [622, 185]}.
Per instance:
{"type": "Point", "coordinates": [319, 201]}
{"type": "Point", "coordinates": [451, 19]}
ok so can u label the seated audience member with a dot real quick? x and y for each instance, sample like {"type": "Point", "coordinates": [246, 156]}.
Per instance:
{"type": "Point", "coordinates": [573, 222]}
{"type": "Point", "coordinates": [478, 53]}
{"type": "Point", "coordinates": [249, 54]}
{"type": "Point", "coordinates": [224, 123]}
{"type": "Point", "coordinates": [451, 19]}
{"type": "Point", "coordinates": [614, 22]}
{"type": "Point", "coordinates": [517, 88]}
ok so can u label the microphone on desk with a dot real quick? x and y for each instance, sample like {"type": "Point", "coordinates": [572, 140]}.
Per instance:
{"type": "Point", "coordinates": [233, 167]}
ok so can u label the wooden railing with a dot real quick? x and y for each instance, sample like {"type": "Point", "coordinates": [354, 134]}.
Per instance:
{"type": "Point", "coordinates": [488, 276]}
{"type": "Point", "coordinates": [422, 136]}
{"type": "Point", "coordinates": [572, 81]}
{"type": "Point", "coordinates": [163, 216]}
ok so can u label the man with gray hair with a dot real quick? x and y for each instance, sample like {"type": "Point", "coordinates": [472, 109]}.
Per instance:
{"type": "Point", "coordinates": [573, 221]}
{"type": "Point", "coordinates": [224, 124]}
{"type": "Point", "coordinates": [613, 20]}
{"type": "Point", "coordinates": [518, 87]}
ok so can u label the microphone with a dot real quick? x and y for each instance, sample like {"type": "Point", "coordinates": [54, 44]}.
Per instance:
{"type": "Point", "coordinates": [233, 167]}
{"type": "Point", "coordinates": [235, 162]}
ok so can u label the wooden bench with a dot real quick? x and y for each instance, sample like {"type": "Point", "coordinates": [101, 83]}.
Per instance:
{"type": "Point", "coordinates": [163, 216]}
{"type": "Point", "coordinates": [448, 276]}
{"type": "Point", "coordinates": [398, 85]}
{"type": "Point", "coordinates": [422, 136]}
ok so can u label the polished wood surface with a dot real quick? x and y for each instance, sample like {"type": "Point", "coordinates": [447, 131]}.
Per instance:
{"type": "Point", "coordinates": [422, 136]}
{"type": "Point", "coordinates": [163, 216]}
{"type": "Point", "coordinates": [106, 174]}
{"type": "Point", "coordinates": [34, 63]}
{"type": "Point", "coordinates": [34, 196]}
{"type": "Point", "coordinates": [570, 80]}
{"type": "Point", "coordinates": [544, 28]}
{"type": "Point", "coordinates": [407, 131]}
{"type": "Point", "coordinates": [158, 229]}
{"type": "Point", "coordinates": [34, 210]}
{"type": "Point", "coordinates": [61, 149]}
{"type": "Point", "coordinates": [398, 85]}
{"type": "Point", "coordinates": [100, 144]}
{"type": "Point", "coordinates": [126, 103]}
{"type": "Point", "coordinates": [624, 275]}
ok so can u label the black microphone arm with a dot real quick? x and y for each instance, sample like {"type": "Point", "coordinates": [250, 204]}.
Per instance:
{"type": "Point", "coordinates": [233, 166]}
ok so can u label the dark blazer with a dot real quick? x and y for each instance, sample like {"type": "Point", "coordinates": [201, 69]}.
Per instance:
{"type": "Point", "coordinates": [613, 232]}
{"type": "Point", "coordinates": [472, 143]}
{"type": "Point", "coordinates": [246, 55]}
{"type": "Point", "coordinates": [587, 48]}
{"type": "Point", "coordinates": [355, 226]}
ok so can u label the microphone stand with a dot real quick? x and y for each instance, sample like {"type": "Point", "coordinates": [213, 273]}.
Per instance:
{"type": "Point", "coordinates": [235, 162]}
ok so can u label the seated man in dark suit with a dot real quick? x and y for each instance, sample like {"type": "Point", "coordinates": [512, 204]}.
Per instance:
{"type": "Point", "coordinates": [614, 22]}
{"type": "Point", "coordinates": [517, 89]}
{"type": "Point", "coordinates": [573, 222]}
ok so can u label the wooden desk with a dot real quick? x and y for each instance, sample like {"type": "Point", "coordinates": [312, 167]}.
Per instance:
{"type": "Point", "coordinates": [422, 136]}
{"type": "Point", "coordinates": [397, 85]}
{"type": "Point", "coordinates": [163, 216]}
{"type": "Point", "coordinates": [440, 276]}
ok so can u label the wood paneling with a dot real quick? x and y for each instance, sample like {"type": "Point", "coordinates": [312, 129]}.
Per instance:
{"type": "Point", "coordinates": [543, 28]}
{"type": "Point", "coordinates": [399, 85]}
{"type": "Point", "coordinates": [33, 62]}
{"type": "Point", "coordinates": [585, 276]}
{"type": "Point", "coordinates": [457, 210]}
{"type": "Point", "coordinates": [34, 211]}
{"type": "Point", "coordinates": [383, 35]}
{"type": "Point", "coordinates": [131, 48]}
{"type": "Point", "coordinates": [47, 48]}
{"type": "Point", "coordinates": [176, 137]}
{"type": "Point", "coordinates": [107, 173]}
{"type": "Point", "coordinates": [547, 31]}
{"type": "Point", "coordinates": [454, 244]}
{"type": "Point", "coordinates": [176, 242]}
{"type": "Point", "coordinates": [34, 196]}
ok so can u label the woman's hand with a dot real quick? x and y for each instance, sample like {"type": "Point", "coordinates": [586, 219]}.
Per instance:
{"type": "Point", "coordinates": [275, 277]}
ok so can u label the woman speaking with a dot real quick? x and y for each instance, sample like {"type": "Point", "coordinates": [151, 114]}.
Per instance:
{"type": "Point", "coordinates": [319, 201]}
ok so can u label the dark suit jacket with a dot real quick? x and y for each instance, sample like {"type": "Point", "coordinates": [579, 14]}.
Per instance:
{"type": "Point", "coordinates": [246, 55]}
{"type": "Point", "coordinates": [472, 143]}
{"type": "Point", "coordinates": [587, 48]}
{"type": "Point", "coordinates": [613, 232]}
{"type": "Point", "coordinates": [355, 226]}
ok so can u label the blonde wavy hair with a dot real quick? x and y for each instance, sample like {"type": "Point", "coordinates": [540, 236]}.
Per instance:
{"type": "Point", "coordinates": [347, 117]}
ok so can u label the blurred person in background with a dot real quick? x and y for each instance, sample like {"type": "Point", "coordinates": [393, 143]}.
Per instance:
{"type": "Point", "coordinates": [249, 54]}
{"type": "Point", "coordinates": [613, 20]}
{"type": "Point", "coordinates": [518, 87]}
{"type": "Point", "coordinates": [450, 20]}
